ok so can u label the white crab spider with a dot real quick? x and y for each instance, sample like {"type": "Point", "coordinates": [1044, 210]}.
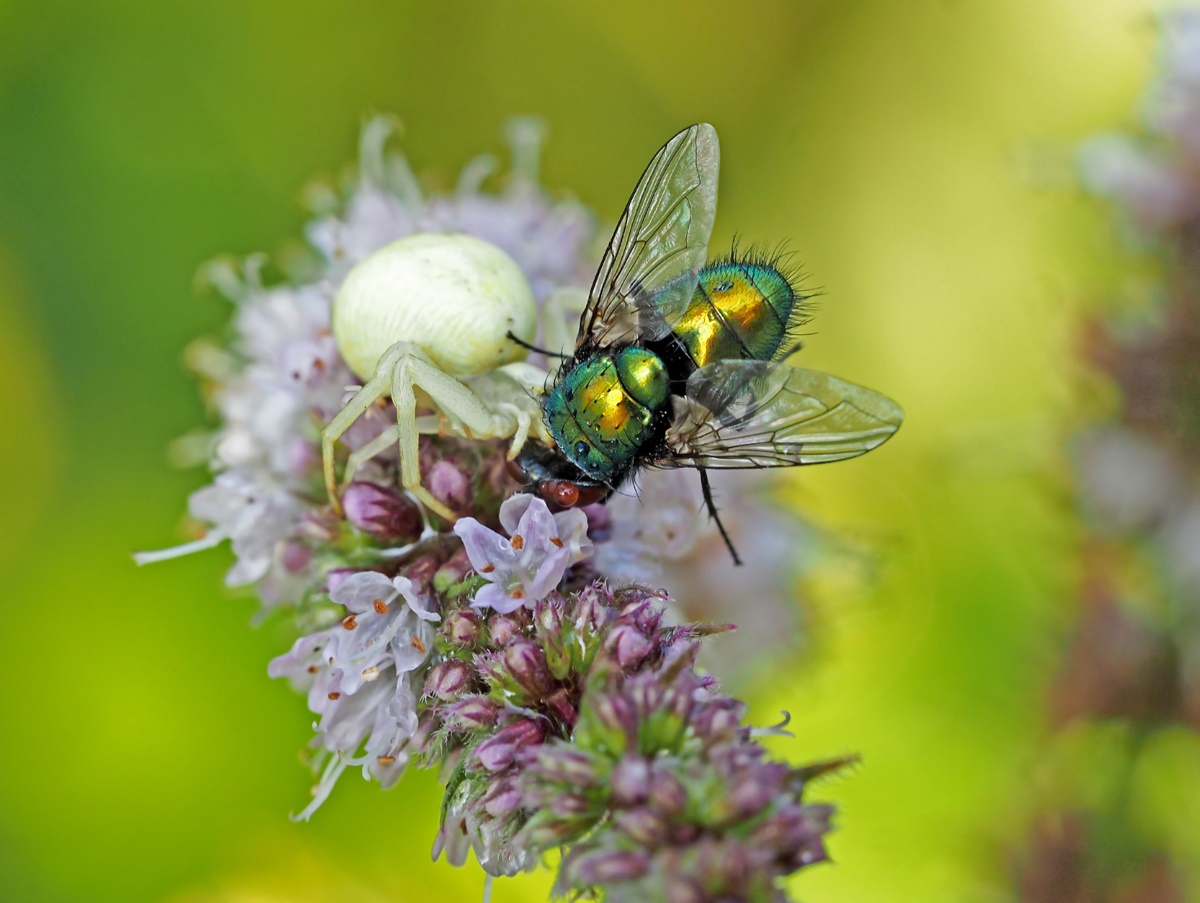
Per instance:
{"type": "Point", "coordinates": [428, 317]}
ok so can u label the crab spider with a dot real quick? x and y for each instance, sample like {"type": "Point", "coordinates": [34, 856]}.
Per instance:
{"type": "Point", "coordinates": [427, 319]}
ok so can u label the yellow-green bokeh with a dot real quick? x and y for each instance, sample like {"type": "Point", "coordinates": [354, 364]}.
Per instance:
{"type": "Point", "coordinates": [917, 157]}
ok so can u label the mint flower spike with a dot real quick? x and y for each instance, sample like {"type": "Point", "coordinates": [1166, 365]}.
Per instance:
{"type": "Point", "coordinates": [562, 718]}
{"type": "Point", "coordinates": [582, 725]}
{"type": "Point", "coordinates": [522, 570]}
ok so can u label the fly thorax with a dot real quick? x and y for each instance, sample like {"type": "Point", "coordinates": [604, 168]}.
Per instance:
{"type": "Point", "coordinates": [602, 412]}
{"type": "Point", "coordinates": [643, 376]}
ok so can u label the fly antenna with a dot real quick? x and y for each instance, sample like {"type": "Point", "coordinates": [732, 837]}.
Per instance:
{"type": "Point", "coordinates": [526, 345]}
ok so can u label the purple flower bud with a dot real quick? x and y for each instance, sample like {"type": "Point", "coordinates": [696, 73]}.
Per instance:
{"type": "Point", "coordinates": [494, 755]}
{"type": "Point", "coordinates": [601, 868]}
{"type": "Point", "coordinates": [805, 837]}
{"type": "Point", "coordinates": [559, 702]}
{"type": "Point", "coordinates": [471, 714]}
{"type": "Point", "coordinates": [502, 799]}
{"type": "Point", "coordinates": [627, 645]}
{"type": "Point", "coordinates": [667, 793]}
{"type": "Point", "coordinates": [491, 667]}
{"type": "Point", "coordinates": [453, 570]}
{"type": "Point", "coordinates": [502, 629]}
{"type": "Point", "coordinates": [641, 607]}
{"type": "Point", "coordinates": [381, 512]}
{"type": "Point", "coordinates": [718, 722]}
{"type": "Point", "coordinates": [570, 805]}
{"type": "Point", "coordinates": [464, 628]}
{"type": "Point", "coordinates": [631, 781]}
{"type": "Point", "coordinates": [798, 830]}
{"type": "Point", "coordinates": [617, 713]}
{"type": "Point", "coordinates": [752, 790]}
{"type": "Point", "coordinates": [592, 611]}
{"type": "Point", "coordinates": [421, 572]}
{"type": "Point", "coordinates": [675, 701]}
{"type": "Point", "coordinates": [565, 765]}
{"type": "Point", "coordinates": [556, 645]}
{"type": "Point", "coordinates": [447, 679]}
{"type": "Point", "coordinates": [527, 664]}
{"type": "Point", "coordinates": [549, 614]}
{"type": "Point", "coordinates": [296, 556]}
{"type": "Point", "coordinates": [501, 749]}
{"type": "Point", "coordinates": [448, 484]}
{"type": "Point", "coordinates": [643, 825]}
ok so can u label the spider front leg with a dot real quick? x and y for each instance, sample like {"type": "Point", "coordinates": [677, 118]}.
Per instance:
{"type": "Point", "coordinates": [468, 415]}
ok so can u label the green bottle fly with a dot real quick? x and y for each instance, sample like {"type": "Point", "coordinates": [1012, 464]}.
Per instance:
{"type": "Point", "coordinates": [679, 364]}
{"type": "Point", "coordinates": [607, 409]}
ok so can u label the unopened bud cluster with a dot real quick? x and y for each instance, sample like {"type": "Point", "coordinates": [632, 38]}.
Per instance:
{"type": "Point", "coordinates": [582, 724]}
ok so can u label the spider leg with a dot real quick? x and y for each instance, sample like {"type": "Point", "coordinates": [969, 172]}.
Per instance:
{"type": "Point", "coordinates": [524, 423]}
{"type": "Point", "coordinates": [361, 456]}
{"type": "Point", "coordinates": [375, 388]}
{"type": "Point", "coordinates": [468, 414]}
{"type": "Point", "coordinates": [427, 425]}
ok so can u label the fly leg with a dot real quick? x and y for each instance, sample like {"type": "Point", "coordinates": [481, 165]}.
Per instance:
{"type": "Point", "coordinates": [712, 512]}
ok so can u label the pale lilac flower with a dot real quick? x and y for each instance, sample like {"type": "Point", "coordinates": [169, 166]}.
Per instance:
{"type": "Point", "coordinates": [257, 516]}
{"type": "Point", "coordinates": [657, 523]}
{"type": "Point", "coordinates": [520, 571]}
{"type": "Point", "coordinates": [360, 675]}
{"type": "Point", "coordinates": [386, 618]}
{"type": "Point", "coordinates": [548, 239]}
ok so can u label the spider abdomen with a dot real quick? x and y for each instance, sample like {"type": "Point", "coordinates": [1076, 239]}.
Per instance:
{"type": "Point", "coordinates": [454, 295]}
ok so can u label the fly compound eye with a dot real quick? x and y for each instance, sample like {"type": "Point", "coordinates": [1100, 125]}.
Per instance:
{"type": "Point", "coordinates": [590, 495]}
{"type": "Point", "coordinates": [566, 494]}
{"type": "Point", "coordinates": [581, 449]}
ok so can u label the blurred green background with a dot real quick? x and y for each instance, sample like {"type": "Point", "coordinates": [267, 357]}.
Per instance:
{"type": "Point", "coordinates": [916, 156]}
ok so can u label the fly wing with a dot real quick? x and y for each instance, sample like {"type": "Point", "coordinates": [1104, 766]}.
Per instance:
{"type": "Point", "coordinates": [648, 274]}
{"type": "Point", "coordinates": [749, 414]}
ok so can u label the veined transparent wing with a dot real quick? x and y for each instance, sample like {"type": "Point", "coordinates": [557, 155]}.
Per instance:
{"type": "Point", "coordinates": [648, 274]}
{"type": "Point", "coordinates": [745, 414]}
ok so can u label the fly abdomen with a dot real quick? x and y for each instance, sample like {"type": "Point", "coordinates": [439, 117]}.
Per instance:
{"type": "Point", "coordinates": [742, 309]}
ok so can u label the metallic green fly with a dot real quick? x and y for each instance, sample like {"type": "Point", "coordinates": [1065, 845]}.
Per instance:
{"type": "Point", "coordinates": [679, 364]}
